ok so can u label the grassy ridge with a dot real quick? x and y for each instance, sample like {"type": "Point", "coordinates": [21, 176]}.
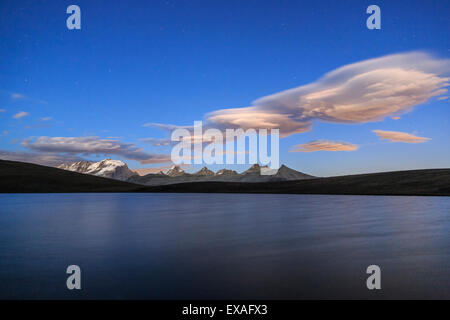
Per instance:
{"type": "Point", "coordinates": [20, 177]}
{"type": "Point", "coordinates": [430, 182]}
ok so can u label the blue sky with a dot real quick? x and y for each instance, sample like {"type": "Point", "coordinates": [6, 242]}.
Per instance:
{"type": "Point", "coordinates": [173, 62]}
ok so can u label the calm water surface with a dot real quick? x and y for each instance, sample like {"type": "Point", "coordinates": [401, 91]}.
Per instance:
{"type": "Point", "coordinates": [175, 246]}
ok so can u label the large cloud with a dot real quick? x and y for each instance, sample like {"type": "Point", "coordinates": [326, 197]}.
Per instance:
{"type": "Point", "coordinates": [324, 145]}
{"type": "Point", "coordinates": [93, 146]}
{"type": "Point", "coordinates": [361, 92]}
{"type": "Point", "coordinates": [397, 136]}
{"type": "Point", "coordinates": [46, 159]}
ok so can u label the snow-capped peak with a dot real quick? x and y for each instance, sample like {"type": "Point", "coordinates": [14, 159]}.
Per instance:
{"type": "Point", "coordinates": [107, 168]}
{"type": "Point", "coordinates": [175, 171]}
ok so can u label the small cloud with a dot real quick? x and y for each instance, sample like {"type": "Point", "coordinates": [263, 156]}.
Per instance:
{"type": "Point", "coordinates": [17, 96]}
{"type": "Point", "coordinates": [324, 145]}
{"type": "Point", "coordinates": [158, 142]}
{"type": "Point", "coordinates": [397, 136]}
{"type": "Point", "coordinates": [396, 118]}
{"type": "Point", "coordinates": [443, 98]}
{"type": "Point", "coordinates": [20, 96]}
{"type": "Point", "coordinates": [46, 118]}
{"type": "Point", "coordinates": [4, 133]}
{"type": "Point", "coordinates": [21, 114]}
{"type": "Point", "coordinates": [2, 110]}
{"type": "Point", "coordinates": [38, 126]}
{"type": "Point", "coordinates": [167, 127]}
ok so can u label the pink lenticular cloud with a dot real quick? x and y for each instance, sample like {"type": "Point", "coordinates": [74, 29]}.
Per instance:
{"type": "Point", "coordinates": [397, 136]}
{"type": "Point", "coordinates": [366, 91]}
{"type": "Point", "coordinates": [324, 145]}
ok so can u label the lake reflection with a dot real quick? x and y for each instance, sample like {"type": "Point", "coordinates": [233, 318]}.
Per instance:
{"type": "Point", "coordinates": [187, 246]}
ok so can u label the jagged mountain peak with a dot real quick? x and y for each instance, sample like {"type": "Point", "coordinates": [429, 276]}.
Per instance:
{"type": "Point", "coordinates": [78, 166]}
{"type": "Point", "coordinates": [256, 168]}
{"type": "Point", "coordinates": [287, 173]}
{"type": "Point", "coordinates": [175, 171]}
{"type": "Point", "coordinates": [226, 172]}
{"type": "Point", "coordinates": [204, 172]}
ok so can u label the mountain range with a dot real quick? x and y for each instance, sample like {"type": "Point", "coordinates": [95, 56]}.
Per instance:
{"type": "Point", "coordinates": [116, 169]}
{"type": "Point", "coordinates": [177, 175]}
